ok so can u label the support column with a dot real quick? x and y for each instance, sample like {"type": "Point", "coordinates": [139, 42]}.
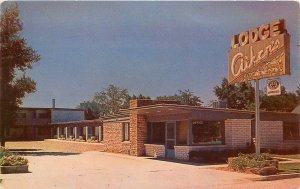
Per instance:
{"type": "Point", "coordinates": [66, 132]}
{"type": "Point", "coordinates": [138, 134]}
{"type": "Point", "coordinates": [99, 133]}
{"type": "Point", "coordinates": [190, 133]}
{"type": "Point", "coordinates": [58, 133]}
{"type": "Point", "coordinates": [86, 133]}
{"type": "Point", "coordinates": [75, 132]}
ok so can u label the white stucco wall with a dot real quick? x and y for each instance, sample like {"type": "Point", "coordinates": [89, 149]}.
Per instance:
{"type": "Point", "coordinates": [66, 115]}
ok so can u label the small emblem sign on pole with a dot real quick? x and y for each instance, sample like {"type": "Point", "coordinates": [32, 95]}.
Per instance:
{"type": "Point", "coordinates": [273, 87]}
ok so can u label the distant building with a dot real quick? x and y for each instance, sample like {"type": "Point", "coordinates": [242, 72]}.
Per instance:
{"type": "Point", "coordinates": [33, 123]}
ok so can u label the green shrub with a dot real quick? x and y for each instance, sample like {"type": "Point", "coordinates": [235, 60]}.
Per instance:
{"type": "Point", "coordinates": [5, 152]}
{"type": "Point", "coordinates": [249, 160]}
{"type": "Point", "coordinates": [13, 161]}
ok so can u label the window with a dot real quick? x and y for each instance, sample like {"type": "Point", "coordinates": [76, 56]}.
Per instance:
{"type": "Point", "coordinates": [126, 131]}
{"type": "Point", "coordinates": [208, 132]}
{"type": "Point", "coordinates": [291, 131]}
{"type": "Point", "coordinates": [21, 115]}
{"type": "Point", "coordinates": [44, 115]}
{"type": "Point", "coordinates": [100, 133]}
{"type": "Point", "coordinates": [156, 132]}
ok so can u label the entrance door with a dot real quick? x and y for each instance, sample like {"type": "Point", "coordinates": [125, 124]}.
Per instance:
{"type": "Point", "coordinates": [170, 139]}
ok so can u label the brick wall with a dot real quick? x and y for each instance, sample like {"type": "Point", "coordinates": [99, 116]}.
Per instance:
{"type": "Point", "coordinates": [155, 150]}
{"type": "Point", "coordinates": [271, 133]}
{"type": "Point", "coordinates": [237, 133]}
{"type": "Point", "coordinates": [138, 134]}
{"type": "Point", "coordinates": [113, 138]}
{"type": "Point", "coordinates": [182, 152]}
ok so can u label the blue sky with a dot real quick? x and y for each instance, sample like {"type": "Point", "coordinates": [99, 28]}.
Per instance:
{"type": "Point", "coordinates": [153, 48]}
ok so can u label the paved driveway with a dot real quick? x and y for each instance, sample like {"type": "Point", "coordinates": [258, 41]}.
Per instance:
{"type": "Point", "coordinates": [91, 170]}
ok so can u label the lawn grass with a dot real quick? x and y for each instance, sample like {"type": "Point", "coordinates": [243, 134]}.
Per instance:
{"type": "Point", "coordinates": [293, 156]}
{"type": "Point", "coordinates": [285, 168]}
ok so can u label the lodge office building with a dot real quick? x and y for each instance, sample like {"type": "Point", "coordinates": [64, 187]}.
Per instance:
{"type": "Point", "coordinates": [166, 129]}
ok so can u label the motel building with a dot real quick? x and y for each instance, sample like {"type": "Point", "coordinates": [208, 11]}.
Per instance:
{"type": "Point", "coordinates": [32, 123]}
{"type": "Point", "coordinates": [166, 129]}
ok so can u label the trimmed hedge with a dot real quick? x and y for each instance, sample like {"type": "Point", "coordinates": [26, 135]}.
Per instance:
{"type": "Point", "coordinates": [244, 161]}
{"type": "Point", "coordinates": [8, 158]}
{"type": "Point", "coordinates": [13, 161]}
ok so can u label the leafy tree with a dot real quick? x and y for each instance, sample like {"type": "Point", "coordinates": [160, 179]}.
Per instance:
{"type": "Point", "coordinates": [16, 57]}
{"type": "Point", "coordinates": [91, 109]}
{"type": "Point", "coordinates": [185, 97]}
{"type": "Point", "coordinates": [108, 101]}
{"type": "Point", "coordinates": [298, 94]}
{"type": "Point", "coordinates": [285, 102]}
{"type": "Point", "coordinates": [111, 99]}
{"type": "Point", "coordinates": [242, 96]}
{"type": "Point", "coordinates": [238, 96]}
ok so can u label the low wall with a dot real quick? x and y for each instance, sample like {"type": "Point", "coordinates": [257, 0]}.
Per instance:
{"type": "Point", "coordinates": [73, 146]}
{"type": "Point", "coordinates": [155, 150]}
{"type": "Point", "coordinates": [182, 152]}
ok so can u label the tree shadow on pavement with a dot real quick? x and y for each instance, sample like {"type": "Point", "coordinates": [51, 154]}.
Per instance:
{"type": "Point", "coordinates": [39, 152]}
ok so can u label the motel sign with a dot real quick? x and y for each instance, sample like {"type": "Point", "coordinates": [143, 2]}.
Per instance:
{"type": "Point", "coordinates": [261, 52]}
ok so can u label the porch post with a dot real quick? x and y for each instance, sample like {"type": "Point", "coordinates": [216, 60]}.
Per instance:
{"type": "Point", "coordinates": [75, 132]}
{"type": "Point", "coordinates": [189, 133]}
{"type": "Point", "coordinates": [86, 133]}
{"type": "Point", "coordinates": [66, 134]}
{"type": "Point", "coordinates": [58, 132]}
{"type": "Point", "coordinates": [99, 133]}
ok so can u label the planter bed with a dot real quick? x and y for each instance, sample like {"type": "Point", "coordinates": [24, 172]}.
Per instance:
{"type": "Point", "coordinates": [13, 169]}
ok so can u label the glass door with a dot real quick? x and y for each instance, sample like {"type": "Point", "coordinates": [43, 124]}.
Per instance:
{"type": "Point", "coordinates": [170, 139]}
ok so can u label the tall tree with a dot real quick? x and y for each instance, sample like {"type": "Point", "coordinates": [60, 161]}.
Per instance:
{"type": "Point", "coordinates": [91, 109]}
{"type": "Point", "coordinates": [16, 57]}
{"type": "Point", "coordinates": [116, 97]}
{"type": "Point", "coordinates": [238, 96]}
{"type": "Point", "coordinates": [111, 99]}
{"type": "Point", "coordinates": [285, 102]}
{"type": "Point", "coordinates": [185, 97]}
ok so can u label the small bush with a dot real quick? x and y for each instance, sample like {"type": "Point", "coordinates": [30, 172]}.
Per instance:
{"type": "Point", "coordinates": [244, 161]}
{"type": "Point", "coordinates": [13, 161]}
{"type": "Point", "coordinates": [5, 152]}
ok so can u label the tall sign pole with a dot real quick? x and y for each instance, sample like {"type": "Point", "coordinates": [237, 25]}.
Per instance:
{"type": "Point", "coordinates": [261, 52]}
{"type": "Point", "coordinates": [257, 118]}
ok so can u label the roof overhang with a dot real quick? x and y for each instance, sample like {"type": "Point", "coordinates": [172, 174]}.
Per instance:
{"type": "Point", "coordinates": [167, 109]}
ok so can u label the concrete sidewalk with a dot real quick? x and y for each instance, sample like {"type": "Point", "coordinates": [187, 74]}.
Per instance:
{"type": "Point", "coordinates": [91, 170]}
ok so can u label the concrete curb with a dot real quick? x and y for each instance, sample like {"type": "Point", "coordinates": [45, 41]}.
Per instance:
{"type": "Point", "coordinates": [275, 177]}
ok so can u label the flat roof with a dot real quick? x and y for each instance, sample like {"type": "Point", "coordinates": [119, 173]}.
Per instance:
{"type": "Point", "coordinates": [182, 108]}
{"type": "Point", "coordinates": [77, 122]}
{"type": "Point", "coordinates": [37, 108]}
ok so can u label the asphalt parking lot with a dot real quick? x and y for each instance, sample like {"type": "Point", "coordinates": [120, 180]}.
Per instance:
{"type": "Point", "coordinates": [93, 169]}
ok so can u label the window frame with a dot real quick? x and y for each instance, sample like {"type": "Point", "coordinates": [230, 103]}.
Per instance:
{"type": "Point", "coordinates": [207, 125]}
{"type": "Point", "coordinates": [100, 133]}
{"type": "Point", "coordinates": [289, 126]}
{"type": "Point", "coordinates": [126, 131]}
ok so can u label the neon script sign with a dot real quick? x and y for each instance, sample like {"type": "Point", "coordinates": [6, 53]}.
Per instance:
{"type": "Point", "coordinates": [259, 53]}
